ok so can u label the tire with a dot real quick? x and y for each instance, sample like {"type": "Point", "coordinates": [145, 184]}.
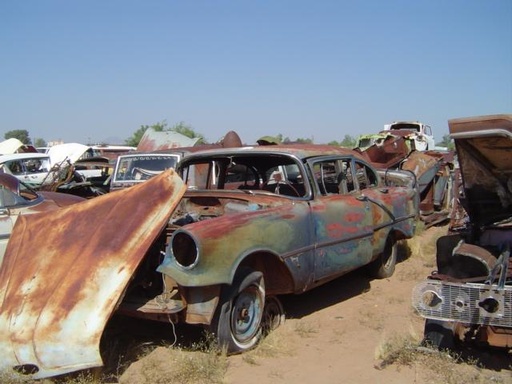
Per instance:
{"type": "Point", "coordinates": [273, 315]}
{"type": "Point", "coordinates": [438, 335]}
{"type": "Point", "coordinates": [237, 320]}
{"type": "Point", "coordinates": [384, 266]}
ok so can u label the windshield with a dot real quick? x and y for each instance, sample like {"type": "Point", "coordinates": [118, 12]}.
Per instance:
{"type": "Point", "coordinates": [256, 172]}
{"type": "Point", "coordinates": [143, 167]}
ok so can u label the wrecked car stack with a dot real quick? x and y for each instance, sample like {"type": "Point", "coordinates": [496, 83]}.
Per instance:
{"type": "Point", "coordinates": [253, 223]}
{"type": "Point", "coordinates": [469, 297]}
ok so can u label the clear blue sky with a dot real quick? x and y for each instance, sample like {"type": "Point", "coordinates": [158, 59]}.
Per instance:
{"type": "Point", "coordinates": [93, 70]}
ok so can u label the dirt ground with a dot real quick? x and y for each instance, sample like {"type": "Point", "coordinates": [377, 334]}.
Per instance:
{"type": "Point", "coordinates": [334, 334]}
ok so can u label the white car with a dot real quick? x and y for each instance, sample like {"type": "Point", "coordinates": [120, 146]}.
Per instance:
{"type": "Point", "coordinates": [17, 199]}
{"type": "Point", "coordinates": [31, 168]}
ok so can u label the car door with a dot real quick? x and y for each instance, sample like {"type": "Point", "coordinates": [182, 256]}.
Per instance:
{"type": "Point", "coordinates": [342, 219]}
{"type": "Point", "coordinates": [6, 224]}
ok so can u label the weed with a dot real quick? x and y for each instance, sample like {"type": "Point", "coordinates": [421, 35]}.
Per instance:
{"type": "Point", "coordinates": [305, 329]}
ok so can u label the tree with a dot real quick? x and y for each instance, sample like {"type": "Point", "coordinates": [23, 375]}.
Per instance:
{"type": "Point", "coordinates": [187, 130]}
{"type": "Point", "coordinates": [304, 141]}
{"type": "Point", "coordinates": [348, 142]}
{"type": "Point", "coordinates": [40, 143]}
{"type": "Point", "coordinates": [20, 134]}
{"type": "Point", "coordinates": [446, 142]}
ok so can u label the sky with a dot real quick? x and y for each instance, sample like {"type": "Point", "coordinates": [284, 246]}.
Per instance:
{"type": "Point", "coordinates": [95, 71]}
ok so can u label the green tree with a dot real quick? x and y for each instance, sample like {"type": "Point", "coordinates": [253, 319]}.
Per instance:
{"type": "Point", "coordinates": [40, 143]}
{"type": "Point", "coordinates": [187, 130]}
{"type": "Point", "coordinates": [20, 134]}
{"type": "Point", "coordinates": [446, 142]}
{"type": "Point", "coordinates": [304, 141]}
{"type": "Point", "coordinates": [348, 142]}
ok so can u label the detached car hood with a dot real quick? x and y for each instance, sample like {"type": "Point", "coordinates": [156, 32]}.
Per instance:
{"type": "Point", "coordinates": [484, 149]}
{"type": "Point", "coordinates": [64, 274]}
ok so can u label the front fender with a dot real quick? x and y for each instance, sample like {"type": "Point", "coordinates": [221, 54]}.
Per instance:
{"type": "Point", "coordinates": [223, 243]}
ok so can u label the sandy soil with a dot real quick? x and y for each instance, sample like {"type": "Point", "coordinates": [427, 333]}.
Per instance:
{"type": "Point", "coordinates": [333, 334]}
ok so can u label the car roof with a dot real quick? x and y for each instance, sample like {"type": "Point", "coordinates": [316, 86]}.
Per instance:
{"type": "Point", "coordinates": [302, 151]}
{"type": "Point", "coordinates": [23, 156]}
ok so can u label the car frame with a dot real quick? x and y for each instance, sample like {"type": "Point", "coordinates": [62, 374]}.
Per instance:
{"type": "Point", "coordinates": [215, 247]}
{"type": "Point", "coordinates": [468, 299]}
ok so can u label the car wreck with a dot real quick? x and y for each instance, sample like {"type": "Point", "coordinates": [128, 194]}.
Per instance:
{"type": "Point", "coordinates": [410, 146]}
{"type": "Point", "coordinates": [213, 244]}
{"type": "Point", "coordinates": [468, 299]}
{"type": "Point", "coordinates": [17, 198]}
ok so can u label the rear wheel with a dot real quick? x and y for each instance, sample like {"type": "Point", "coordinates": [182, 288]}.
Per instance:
{"type": "Point", "coordinates": [237, 321]}
{"type": "Point", "coordinates": [384, 265]}
{"type": "Point", "coordinates": [273, 314]}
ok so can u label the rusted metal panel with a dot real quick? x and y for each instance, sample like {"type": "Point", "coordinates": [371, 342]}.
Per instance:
{"type": "Point", "coordinates": [64, 273]}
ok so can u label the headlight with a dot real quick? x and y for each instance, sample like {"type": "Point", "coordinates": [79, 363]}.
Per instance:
{"type": "Point", "coordinates": [184, 249]}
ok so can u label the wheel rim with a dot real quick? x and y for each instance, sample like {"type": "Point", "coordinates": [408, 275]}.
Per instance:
{"type": "Point", "coordinates": [246, 314]}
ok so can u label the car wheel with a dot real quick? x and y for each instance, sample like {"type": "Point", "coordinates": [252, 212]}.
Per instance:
{"type": "Point", "coordinates": [384, 265]}
{"type": "Point", "coordinates": [438, 334]}
{"type": "Point", "coordinates": [237, 321]}
{"type": "Point", "coordinates": [273, 314]}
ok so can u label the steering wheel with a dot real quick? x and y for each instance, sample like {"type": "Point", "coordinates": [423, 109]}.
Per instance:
{"type": "Point", "coordinates": [279, 182]}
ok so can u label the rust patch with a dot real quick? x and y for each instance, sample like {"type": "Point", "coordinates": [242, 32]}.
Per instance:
{"type": "Point", "coordinates": [64, 272]}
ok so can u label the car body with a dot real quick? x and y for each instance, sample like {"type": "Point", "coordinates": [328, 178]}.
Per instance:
{"type": "Point", "coordinates": [18, 199]}
{"type": "Point", "coordinates": [212, 243]}
{"type": "Point", "coordinates": [469, 297]}
{"type": "Point", "coordinates": [32, 168]}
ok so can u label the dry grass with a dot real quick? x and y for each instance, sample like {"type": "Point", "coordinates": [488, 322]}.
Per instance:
{"type": "Point", "coordinates": [277, 343]}
{"type": "Point", "coordinates": [305, 329]}
{"type": "Point", "coordinates": [203, 363]}
{"type": "Point", "coordinates": [439, 367]}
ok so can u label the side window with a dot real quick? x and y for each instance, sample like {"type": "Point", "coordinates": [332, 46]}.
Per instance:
{"type": "Point", "coordinates": [366, 178]}
{"type": "Point", "coordinates": [333, 176]}
{"type": "Point", "coordinates": [15, 167]}
{"type": "Point", "coordinates": [346, 178]}
{"type": "Point", "coordinates": [32, 165]}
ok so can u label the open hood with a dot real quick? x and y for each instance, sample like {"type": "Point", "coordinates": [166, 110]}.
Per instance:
{"type": "Point", "coordinates": [65, 272]}
{"type": "Point", "coordinates": [484, 149]}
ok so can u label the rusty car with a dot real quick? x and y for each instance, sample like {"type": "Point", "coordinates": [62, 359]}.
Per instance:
{"type": "Point", "coordinates": [17, 198]}
{"type": "Point", "coordinates": [467, 301]}
{"type": "Point", "coordinates": [213, 243]}
{"type": "Point", "coordinates": [410, 146]}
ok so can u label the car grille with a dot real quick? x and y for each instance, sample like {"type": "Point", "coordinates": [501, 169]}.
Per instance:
{"type": "Point", "coordinates": [464, 302]}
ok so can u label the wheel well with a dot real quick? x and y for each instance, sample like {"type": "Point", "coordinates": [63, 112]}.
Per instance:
{"type": "Point", "coordinates": [278, 279]}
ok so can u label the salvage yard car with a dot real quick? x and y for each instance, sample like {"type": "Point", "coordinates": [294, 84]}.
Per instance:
{"type": "Point", "coordinates": [18, 199]}
{"type": "Point", "coordinates": [31, 168]}
{"type": "Point", "coordinates": [469, 298]}
{"type": "Point", "coordinates": [214, 247]}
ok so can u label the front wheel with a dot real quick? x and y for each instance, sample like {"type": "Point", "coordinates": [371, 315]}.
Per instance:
{"type": "Point", "coordinates": [438, 335]}
{"type": "Point", "coordinates": [237, 321]}
{"type": "Point", "coordinates": [384, 266]}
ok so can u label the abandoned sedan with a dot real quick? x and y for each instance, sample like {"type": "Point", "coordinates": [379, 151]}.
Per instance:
{"type": "Point", "coordinates": [17, 199]}
{"type": "Point", "coordinates": [469, 297]}
{"type": "Point", "coordinates": [252, 224]}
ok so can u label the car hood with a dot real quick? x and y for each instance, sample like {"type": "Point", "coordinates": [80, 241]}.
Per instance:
{"type": "Point", "coordinates": [484, 149]}
{"type": "Point", "coordinates": [64, 273]}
